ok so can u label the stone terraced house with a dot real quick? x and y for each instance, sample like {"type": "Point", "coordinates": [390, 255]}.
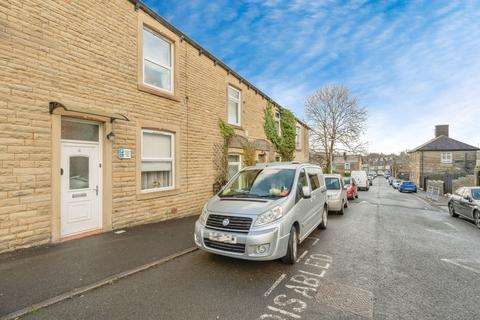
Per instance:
{"type": "Point", "coordinates": [109, 118]}
{"type": "Point", "coordinates": [443, 159]}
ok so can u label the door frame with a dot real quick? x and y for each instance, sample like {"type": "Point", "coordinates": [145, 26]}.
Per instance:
{"type": "Point", "coordinates": [105, 175]}
{"type": "Point", "coordinates": [78, 143]}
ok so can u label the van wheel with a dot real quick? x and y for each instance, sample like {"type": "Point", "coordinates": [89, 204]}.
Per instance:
{"type": "Point", "coordinates": [323, 224]}
{"type": "Point", "coordinates": [291, 256]}
{"type": "Point", "coordinates": [342, 210]}
{"type": "Point", "coordinates": [356, 195]}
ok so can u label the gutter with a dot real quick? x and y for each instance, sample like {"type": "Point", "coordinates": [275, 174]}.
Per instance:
{"type": "Point", "coordinates": [202, 51]}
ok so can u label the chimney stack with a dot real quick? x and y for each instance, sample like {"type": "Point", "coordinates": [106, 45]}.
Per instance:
{"type": "Point", "coordinates": [441, 130]}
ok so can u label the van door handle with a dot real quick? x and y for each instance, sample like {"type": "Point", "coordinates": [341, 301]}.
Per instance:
{"type": "Point", "coordinates": [96, 190]}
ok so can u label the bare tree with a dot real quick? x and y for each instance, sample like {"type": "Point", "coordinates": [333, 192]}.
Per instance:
{"type": "Point", "coordinates": [337, 121]}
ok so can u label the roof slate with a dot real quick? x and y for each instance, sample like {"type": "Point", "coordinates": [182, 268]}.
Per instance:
{"type": "Point", "coordinates": [444, 143]}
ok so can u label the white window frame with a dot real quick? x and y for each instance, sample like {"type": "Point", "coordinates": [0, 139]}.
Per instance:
{"type": "Point", "coordinates": [146, 159]}
{"type": "Point", "coordinates": [446, 157]}
{"type": "Point", "coordinates": [277, 119]}
{"type": "Point", "coordinates": [237, 163]}
{"type": "Point", "coordinates": [239, 103]}
{"type": "Point", "coordinates": [171, 68]}
{"type": "Point", "coordinates": [298, 137]}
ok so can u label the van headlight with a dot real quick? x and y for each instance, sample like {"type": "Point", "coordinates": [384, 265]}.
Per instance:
{"type": "Point", "coordinates": [269, 216]}
{"type": "Point", "coordinates": [204, 215]}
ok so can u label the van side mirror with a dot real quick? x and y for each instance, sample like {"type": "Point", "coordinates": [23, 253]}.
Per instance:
{"type": "Point", "coordinates": [468, 198]}
{"type": "Point", "coordinates": [306, 193]}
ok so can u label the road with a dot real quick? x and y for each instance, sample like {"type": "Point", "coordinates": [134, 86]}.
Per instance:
{"type": "Point", "coordinates": [391, 256]}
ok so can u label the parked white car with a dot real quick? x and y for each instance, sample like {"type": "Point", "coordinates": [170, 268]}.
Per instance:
{"type": "Point", "coordinates": [362, 179]}
{"type": "Point", "coordinates": [336, 193]}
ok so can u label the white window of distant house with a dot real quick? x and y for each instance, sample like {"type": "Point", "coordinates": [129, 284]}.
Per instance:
{"type": "Point", "coordinates": [157, 168]}
{"type": "Point", "coordinates": [298, 137]}
{"type": "Point", "coordinates": [234, 106]}
{"type": "Point", "coordinates": [234, 164]}
{"type": "Point", "coordinates": [446, 157]}
{"type": "Point", "coordinates": [277, 122]}
{"type": "Point", "coordinates": [157, 61]}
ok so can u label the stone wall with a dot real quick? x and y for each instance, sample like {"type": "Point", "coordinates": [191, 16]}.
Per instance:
{"type": "Point", "coordinates": [467, 181]}
{"type": "Point", "coordinates": [85, 53]}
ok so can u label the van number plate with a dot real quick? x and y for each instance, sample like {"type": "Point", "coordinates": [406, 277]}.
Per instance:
{"type": "Point", "coordinates": [222, 237]}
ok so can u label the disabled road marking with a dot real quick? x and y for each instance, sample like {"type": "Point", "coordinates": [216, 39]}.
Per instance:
{"type": "Point", "coordinates": [303, 255]}
{"type": "Point", "coordinates": [299, 290]}
{"type": "Point", "coordinates": [315, 241]}
{"type": "Point", "coordinates": [275, 284]}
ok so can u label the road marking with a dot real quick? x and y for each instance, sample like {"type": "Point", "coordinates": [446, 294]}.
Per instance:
{"type": "Point", "coordinates": [293, 315]}
{"type": "Point", "coordinates": [442, 233]}
{"type": "Point", "coordinates": [314, 242]}
{"type": "Point", "coordinates": [302, 285]}
{"type": "Point", "coordinates": [275, 284]}
{"type": "Point", "coordinates": [450, 225]}
{"type": "Point", "coordinates": [303, 255]}
{"type": "Point", "coordinates": [461, 265]}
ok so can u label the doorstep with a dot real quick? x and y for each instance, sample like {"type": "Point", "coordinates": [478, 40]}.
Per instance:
{"type": "Point", "coordinates": [32, 275]}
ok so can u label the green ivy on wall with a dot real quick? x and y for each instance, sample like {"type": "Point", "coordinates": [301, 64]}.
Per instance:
{"type": "Point", "coordinates": [284, 143]}
{"type": "Point", "coordinates": [227, 133]}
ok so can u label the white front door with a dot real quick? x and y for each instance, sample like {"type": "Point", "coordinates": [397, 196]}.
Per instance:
{"type": "Point", "coordinates": [80, 187]}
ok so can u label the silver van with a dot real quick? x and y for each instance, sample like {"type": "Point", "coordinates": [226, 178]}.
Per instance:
{"type": "Point", "coordinates": [264, 212]}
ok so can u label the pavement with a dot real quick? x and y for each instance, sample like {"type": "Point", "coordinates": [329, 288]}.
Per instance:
{"type": "Point", "coordinates": [33, 275]}
{"type": "Point", "coordinates": [439, 201]}
{"type": "Point", "coordinates": [391, 256]}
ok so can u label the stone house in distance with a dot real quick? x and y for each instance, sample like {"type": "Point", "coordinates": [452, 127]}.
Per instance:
{"type": "Point", "coordinates": [109, 118]}
{"type": "Point", "coordinates": [442, 158]}
{"type": "Point", "coordinates": [346, 163]}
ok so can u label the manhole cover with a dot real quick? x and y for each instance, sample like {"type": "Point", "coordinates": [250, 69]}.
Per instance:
{"type": "Point", "coordinates": [346, 298]}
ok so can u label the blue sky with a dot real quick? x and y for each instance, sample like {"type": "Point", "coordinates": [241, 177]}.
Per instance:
{"type": "Point", "coordinates": [413, 64]}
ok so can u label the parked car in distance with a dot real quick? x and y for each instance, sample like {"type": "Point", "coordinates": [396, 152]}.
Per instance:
{"type": "Point", "coordinates": [336, 193]}
{"type": "Point", "coordinates": [264, 212]}
{"type": "Point", "coordinates": [361, 179]}
{"type": "Point", "coordinates": [396, 183]}
{"type": "Point", "coordinates": [372, 174]}
{"type": "Point", "coordinates": [407, 186]}
{"type": "Point", "coordinates": [390, 180]}
{"type": "Point", "coordinates": [352, 188]}
{"type": "Point", "coordinates": [370, 181]}
{"type": "Point", "coordinates": [465, 202]}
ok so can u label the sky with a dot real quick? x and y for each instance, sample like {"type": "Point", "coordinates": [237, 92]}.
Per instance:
{"type": "Point", "coordinates": [412, 64]}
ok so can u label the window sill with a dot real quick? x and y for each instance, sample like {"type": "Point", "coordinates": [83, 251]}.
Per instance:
{"type": "Point", "coordinates": [235, 126]}
{"type": "Point", "coordinates": [157, 194]}
{"type": "Point", "coordinates": [158, 92]}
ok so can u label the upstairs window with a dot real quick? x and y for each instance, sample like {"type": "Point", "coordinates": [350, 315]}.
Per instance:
{"type": "Point", "coordinates": [234, 106]}
{"type": "Point", "coordinates": [157, 61]}
{"type": "Point", "coordinates": [277, 122]}
{"type": "Point", "coordinates": [446, 157]}
{"type": "Point", "coordinates": [157, 160]}
{"type": "Point", "coordinates": [298, 137]}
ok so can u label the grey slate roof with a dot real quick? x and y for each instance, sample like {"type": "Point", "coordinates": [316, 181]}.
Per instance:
{"type": "Point", "coordinates": [444, 143]}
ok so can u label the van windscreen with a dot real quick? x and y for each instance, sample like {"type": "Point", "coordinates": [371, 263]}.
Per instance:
{"type": "Point", "coordinates": [260, 183]}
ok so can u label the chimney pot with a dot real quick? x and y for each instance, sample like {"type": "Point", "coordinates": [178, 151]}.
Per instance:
{"type": "Point", "coordinates": [441, 130]}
